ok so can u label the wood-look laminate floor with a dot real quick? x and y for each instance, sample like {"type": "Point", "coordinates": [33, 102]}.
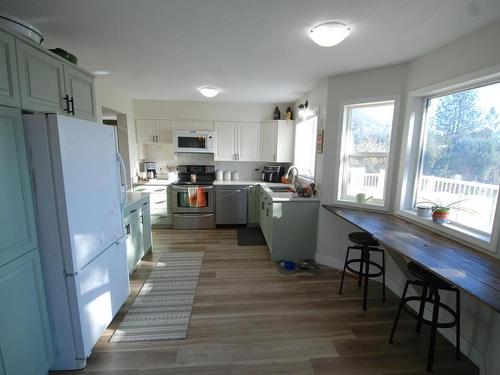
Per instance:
{"type": "Point", "coordinates": [250, 319]}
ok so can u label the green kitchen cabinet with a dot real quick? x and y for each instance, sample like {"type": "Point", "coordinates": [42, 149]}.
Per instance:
{"type": "Point", "coordinates": [17, 222]}
{"type": "Point", "coordinates": [146, 227]}
{"type": "Point", "coordinates": [289, 227]}
{"type": "Point", "coordinates": [41, 79]}
{"type": "Point", "coordinates": [134, 243]}
{"type": "Point", "coordinates": [253, 204]}
{"type": "Point", "coordinates": [80, 89]}
{"type": "Point", "coordinates": [9, 84]}
{"type": "Point", "coordinates": [25, 339]}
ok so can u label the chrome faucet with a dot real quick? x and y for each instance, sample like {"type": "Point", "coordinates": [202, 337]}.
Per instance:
{"type": "Point", "coordinates": [294, 175]}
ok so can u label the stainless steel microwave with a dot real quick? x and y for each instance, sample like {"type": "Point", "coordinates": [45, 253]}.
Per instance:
{"type": "Point", "coordinates": [198, 141]}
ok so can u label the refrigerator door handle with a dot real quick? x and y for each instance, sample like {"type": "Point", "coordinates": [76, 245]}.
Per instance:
{"type": "Point", "coordinates": [123, 179]}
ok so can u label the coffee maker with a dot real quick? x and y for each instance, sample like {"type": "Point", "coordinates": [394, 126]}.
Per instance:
{"type": "Point", "coordinates": [273, 173]}
{"type": "Point", "coordinates": [150, 168]}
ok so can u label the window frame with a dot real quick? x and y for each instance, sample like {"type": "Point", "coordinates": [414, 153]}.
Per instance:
{"type": "Point", "coordinates": [312, 116]}
{"type": "Point", "coordinates": [413, 140]}
{"type": "Point", "coordinates": [343, 155]}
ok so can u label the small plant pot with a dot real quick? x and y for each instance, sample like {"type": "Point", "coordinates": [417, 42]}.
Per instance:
{"type": "Point", "coordinates": [424, 211]}
{"type": "Point", "coordinates": [440, 216]}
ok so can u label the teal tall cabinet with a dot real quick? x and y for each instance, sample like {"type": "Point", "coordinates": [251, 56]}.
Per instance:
{"type": "Point", "coordinates": [25, 338]}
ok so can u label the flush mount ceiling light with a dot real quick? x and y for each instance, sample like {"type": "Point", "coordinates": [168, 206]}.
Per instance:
{"type": "Point", "coordinates": [209, 92]}
{"type": "Point", "coordinates": [329, 34]}
{"type": "Point", "coordinates": [101, 72]}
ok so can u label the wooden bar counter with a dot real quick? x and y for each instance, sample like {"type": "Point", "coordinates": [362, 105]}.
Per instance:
{"type": "Point", "coordinates": [468, 269]}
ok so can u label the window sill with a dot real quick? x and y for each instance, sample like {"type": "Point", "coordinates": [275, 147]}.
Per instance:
{"type": "Point", "coordinates": [362, 206]}
{"type": "Point", "coordinates": [478, 240]}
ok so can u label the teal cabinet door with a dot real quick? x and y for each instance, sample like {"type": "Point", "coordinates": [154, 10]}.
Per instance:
{"type": "Point", "coordinates": [41, 80]}
{"type": "Point", "coordinates": [17, 222]}
{"type": "Point", "coordinates": [25, 339]}
{"type": "Point", "coordinates": [133, 229]}
{"type": "Point", "coordinates": [9, 84]}
{"type": "Point", "coordinates": [253, 204]}
{"type": "Point", "coordinates": [80, 88]}
{"type": "Point", "coordinates": [146, 227]}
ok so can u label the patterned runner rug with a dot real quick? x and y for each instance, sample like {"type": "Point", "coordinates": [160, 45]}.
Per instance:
{"type": "Point", "coordinates": [162, 309]}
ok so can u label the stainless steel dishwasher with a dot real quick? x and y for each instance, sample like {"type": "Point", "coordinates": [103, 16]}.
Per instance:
{"type": "Point", "coordinates": [231, 203]}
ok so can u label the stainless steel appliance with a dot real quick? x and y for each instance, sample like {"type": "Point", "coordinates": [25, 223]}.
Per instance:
{"type": "Point", "coordinates": [197, 141]}
{"type": "Point", "coordinates": [149, 167]}
{"type": "Point", "coordinates": [231, 204]}
{"type": "Point", "coordinates": [193, 203]}
{"type": "Point", "coordinates": [273, 173]}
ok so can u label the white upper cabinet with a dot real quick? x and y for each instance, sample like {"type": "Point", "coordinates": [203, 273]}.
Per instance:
{"type": "Point", "coordinates": [248, 141]}
{"type": "Point", "coordinates": [237, 141]}
{"type": "Point", "coordinates": [154, 131]}
{"type": "Point", "coordinates": [277, 140]}
{"type": "Point", "coordinates": [268, 132]}
{"type": "Point", "coordinates": [145, 131]}
{"type": "Point", "coordinates": [285, 141]}
{"type": "Point", "coordinates": [164, 131]}
{"type": "Point", "coordinates": [192, 125]}
{"type": "Point", "coordinates": [225, 138]}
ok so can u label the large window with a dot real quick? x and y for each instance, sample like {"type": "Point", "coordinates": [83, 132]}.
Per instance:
{"type": "Point", "coordinates": [459, 162]}
{"type": "Point", "coordinates": [305, 147]}
{"type": "Point", "coordinates": [366, 143]}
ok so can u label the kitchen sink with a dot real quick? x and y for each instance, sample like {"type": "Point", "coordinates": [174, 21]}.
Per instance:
{"type": "Point", "coordinates": [282, 189]}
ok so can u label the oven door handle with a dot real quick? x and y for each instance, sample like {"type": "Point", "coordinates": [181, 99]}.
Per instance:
{"type": "Point", "coordinates": [194, 214]}
{"type": "Point", "coordinates": [185, 188]}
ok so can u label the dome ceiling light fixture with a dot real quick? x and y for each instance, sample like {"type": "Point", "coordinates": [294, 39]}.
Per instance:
{"type": "Point", "coordinates": [329, 34]}
{"type": "Point", "coordinates": [208, 91]}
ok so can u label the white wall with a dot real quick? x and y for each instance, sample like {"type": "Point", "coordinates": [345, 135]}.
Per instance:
{"type": "Point", "coordinates": [317, 102]}
{"type": "Point", "coordinates": [463, 57]}
{"type": "Point", "coordinates": [108, 96]}
{"type": "Point", "coordinates": [151, 109]}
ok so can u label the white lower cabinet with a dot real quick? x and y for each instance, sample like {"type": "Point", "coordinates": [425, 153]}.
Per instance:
{"type": "Point", "coordinates": [160, 204]}
{"type": "Point", "coordinates": [237, 141]}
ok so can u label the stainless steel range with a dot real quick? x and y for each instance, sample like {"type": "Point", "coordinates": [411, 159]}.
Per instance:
{"type": "Point", "coordinates": [193, 197]}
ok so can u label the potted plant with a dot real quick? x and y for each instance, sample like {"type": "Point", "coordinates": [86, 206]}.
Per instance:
{"type": "Point", "coordinates": [441, 213]}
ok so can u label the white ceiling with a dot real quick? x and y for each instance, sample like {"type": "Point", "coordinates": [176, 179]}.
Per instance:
{"type": "Point", "coordinates": [254, 50]}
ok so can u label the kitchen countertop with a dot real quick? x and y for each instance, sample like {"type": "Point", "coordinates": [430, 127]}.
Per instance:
{"type": "Point", "coordinates": [153, 183]}
{"type": "Point", "coordinates": [134, 197]}
{"type": "Point", "coordinates": [276, 197]}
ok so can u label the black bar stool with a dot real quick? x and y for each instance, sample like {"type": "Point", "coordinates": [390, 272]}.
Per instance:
{"type": "Point", "coordinates": [365, 243]}
{"type": "Point", "coordinates": [431, 285]}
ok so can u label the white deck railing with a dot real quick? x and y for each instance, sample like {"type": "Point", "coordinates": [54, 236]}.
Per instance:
{"type": "Point", "coordinates": [476, 196]}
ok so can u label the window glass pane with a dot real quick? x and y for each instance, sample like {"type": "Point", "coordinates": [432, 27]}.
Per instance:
{"type": "Point", "coordinates": [366, 147]}
{"type": "Point", "coordinates": [305, 146]}
{"type": "Point", "coordinates": [365, 175]}
{"type": "Point", "coordinates": [461, 155]}
{"type": "Point", "coordinates": [371, 127]}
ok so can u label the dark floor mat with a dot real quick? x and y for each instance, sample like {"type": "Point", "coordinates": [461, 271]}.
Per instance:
{"type": "Point", "coordinates": [250, 237]}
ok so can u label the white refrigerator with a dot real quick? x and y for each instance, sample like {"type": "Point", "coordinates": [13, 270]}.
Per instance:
{"type": "Point", "coordinates": [79, 195]}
